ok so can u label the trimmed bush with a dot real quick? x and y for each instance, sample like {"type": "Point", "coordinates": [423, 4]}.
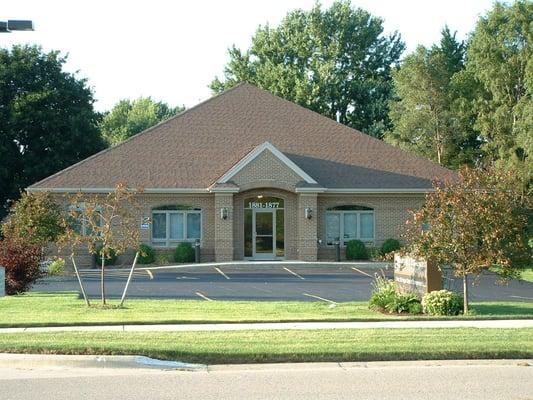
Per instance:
{"type": "Point", "coordinates": [111, 259]}
{"type": "Point", "coordinates": [442, 302]}
{"type": "Point", "coordinates": [56, 267]}
{"type": "Point", "coordinates": [403, 303]}
{"type": "Point", "coordinates": [390, 245]}
{"type": "Point", "coordinates": [356, 250]}
{"type": "Point", "coordinates": [146, 254]}
{"type": "Point", "coordinates": [184, 253]}
{"type": "Point", "coordinates": [21, 261]}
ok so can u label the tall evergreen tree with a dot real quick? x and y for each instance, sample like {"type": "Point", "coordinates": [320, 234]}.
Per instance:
{"type": "Point", "coordinates": [47, 121]}
{"type": "Point", "coordinates": [430, 117]}
{"type": "Point", "coordinates": [336, 61]}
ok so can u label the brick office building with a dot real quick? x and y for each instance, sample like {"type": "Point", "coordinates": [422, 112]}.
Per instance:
{"type": "Point", "coordinates": [253, 176]}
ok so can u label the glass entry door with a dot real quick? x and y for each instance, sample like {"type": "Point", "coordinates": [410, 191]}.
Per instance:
{"type": "Point", "coordinates": [264, 228]}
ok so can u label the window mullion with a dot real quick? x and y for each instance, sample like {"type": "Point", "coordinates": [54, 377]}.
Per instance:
{"type": "Point", "coordinates": [184, 218]}
{"type": "Point", "coordinates": [167, 228]}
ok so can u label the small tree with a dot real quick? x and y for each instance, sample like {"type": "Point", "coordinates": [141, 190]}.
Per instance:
{"type": "Point", "coordinates": [475, 222]}
{"type": "Point", "coordinates": [104, 224]}
{"type": "Point", "coordinates": [35, 218]}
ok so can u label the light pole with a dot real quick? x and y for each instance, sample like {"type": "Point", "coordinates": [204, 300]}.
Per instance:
{"type": "Point", "coordinates": [15, 25]}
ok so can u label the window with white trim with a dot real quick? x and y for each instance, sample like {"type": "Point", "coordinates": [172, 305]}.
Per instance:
{"type": "Point", "coordinates": [174, 224]}
{"type": "Point", "coordinates": [345, 223]}
{"type": "Point", "coordinates": [78, 219]}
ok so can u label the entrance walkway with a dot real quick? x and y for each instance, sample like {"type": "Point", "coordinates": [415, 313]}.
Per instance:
{"type": "Point", "coordinates": [495, 324]}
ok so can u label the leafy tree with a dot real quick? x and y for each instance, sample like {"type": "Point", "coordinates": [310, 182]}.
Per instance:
{"type": "Point", "coordinates": [128, 118]}
{"type": "Point", "coordinates": [431, 117]}
{"type": "Point", "coordinates": [473, 223]}
{"type": "Point", "coordinates": [500, 60]}
{"type": "Point", "coordinates": [35, 218]}
{"type": "Point", "coordinates": [106, 225]}
{"type": "Point", "coordinates": [47, 121]}
{"type": "Point", "coordinates": [336, 62]}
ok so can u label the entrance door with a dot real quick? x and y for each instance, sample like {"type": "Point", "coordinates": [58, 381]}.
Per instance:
{"type": "Point", "coordinates": [264, 228]}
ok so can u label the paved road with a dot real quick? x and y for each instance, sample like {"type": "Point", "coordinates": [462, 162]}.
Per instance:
{"type": "Point", "coordinates": [413, 381]}
{"type": "Point", "coordinates": [254, 282]}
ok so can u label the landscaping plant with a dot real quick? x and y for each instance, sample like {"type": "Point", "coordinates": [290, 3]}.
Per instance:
{"type": "Point", "coordinates": [442, 302]}
{"type": "Point", "coordinates": [146, 254]}
{"type": "Point", "coordinates": [385, 297]}
{"type": "Point", "coordinates": [356, 250]}
{"type": "Point", "coordinates": [184, 253]}
{"type": "Point", "coordinates": [21, 262]}
{"type": "Point", "coordinates": [390, 245]}
{"type": "Point", "coordinates": [56, 267]}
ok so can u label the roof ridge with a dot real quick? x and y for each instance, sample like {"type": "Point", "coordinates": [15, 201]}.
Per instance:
{"type": "Point", "coordinates": [147, 130]}
{"type": "Point", "coordinates": [346, 127]}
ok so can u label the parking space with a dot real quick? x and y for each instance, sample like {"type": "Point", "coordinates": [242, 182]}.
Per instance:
{"type": "Point", "coordinates": [280, 281]}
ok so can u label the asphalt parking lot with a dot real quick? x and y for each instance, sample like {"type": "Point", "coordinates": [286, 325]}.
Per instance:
{"type": "Point", "coordinates": [283, 281]}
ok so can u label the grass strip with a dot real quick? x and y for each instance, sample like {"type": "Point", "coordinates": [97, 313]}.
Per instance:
{"type": "Point", "coordinates": [285, 346]}
{"type": "Point", "coordinates": [61, 309]}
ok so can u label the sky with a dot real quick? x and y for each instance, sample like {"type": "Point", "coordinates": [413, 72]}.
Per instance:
{"type": "Point", "coordinates": [171, 50]}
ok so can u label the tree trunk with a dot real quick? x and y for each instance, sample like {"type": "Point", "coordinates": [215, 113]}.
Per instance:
{"type": "Point", "coordinates": [465, 294]}
{"type": "Point", "coordinates": [102, 280]}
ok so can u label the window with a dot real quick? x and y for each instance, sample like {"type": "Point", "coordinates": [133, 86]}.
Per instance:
{"type": "Point", "coordinates": [174, 224]}
{"type": "Point", "coordinates": [347, 223]}
{"type": "Point", "coordinates": [78, 220]}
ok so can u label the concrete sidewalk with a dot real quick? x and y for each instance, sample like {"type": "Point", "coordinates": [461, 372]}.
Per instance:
{"type": "Point", "coordinates": [494, 324]}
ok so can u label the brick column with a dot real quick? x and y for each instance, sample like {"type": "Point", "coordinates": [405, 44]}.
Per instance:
{"type": "Point", "coordinates": [223, 228]}
{"type": "Point", "coordinates": [307, 228]}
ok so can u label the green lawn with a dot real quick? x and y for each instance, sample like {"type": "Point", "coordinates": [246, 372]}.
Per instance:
{"type": "Point", "coordinates": [285, 346]}
{"type": "Point", "coordinates": [527, 275]}
{"type": "Point", "coordinates": [41, 309]}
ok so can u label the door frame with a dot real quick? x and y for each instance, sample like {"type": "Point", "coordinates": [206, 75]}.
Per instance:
{"type": "Point", "coordinates": [263, 256]}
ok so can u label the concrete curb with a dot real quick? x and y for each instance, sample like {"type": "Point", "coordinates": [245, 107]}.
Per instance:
{"type": "Point", "coordinates": [261, 326]}
{"type": "Point", "coordinates": [13, 360]}
{"type": "Point", "coordinates": [8, 360]}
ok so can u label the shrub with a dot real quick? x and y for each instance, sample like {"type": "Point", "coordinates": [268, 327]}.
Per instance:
{"type": "Point", "coordinates": [56, 267]}
{"type": "Point", "coordinates": [390, 245]}
{"type": "Point", "coordinates": [385, 298]}
{"type": "Point", "coordinates": [374, 253]}
{"type": "Point", "coordinates": [21, 261]}
{"type": "Point", "coordinates": [442, 302]}
{"type": "Point", "coordinates": [402, 303]}
{"type": "Point", "coordinates": [184, 253]}
{"type": "Point", "coordinates": [146, 254]}
{"type": "Point", "coordinates": [162, 259]}
{"type": "Point", "coordinates": [111, 258]}
{"type": "Point", "coordinates": [356, 250]}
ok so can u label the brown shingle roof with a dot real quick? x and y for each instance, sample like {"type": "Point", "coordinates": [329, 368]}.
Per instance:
{"type": "Point", "coordinates": [195, 148]}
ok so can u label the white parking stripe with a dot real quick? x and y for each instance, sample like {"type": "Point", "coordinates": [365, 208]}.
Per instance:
{"type": "Point", "coordinates": [221, 273]}
{"type": "Point", "coordinates": [149, 274]}
{"type": "Point", "coordinates": [522, 297]}
{"type": "Point", "coordinates": [361, 272]}
{"type": "Point", "coordinates": [319, 298]}
{"type": "Point", "coordinates": [294, 273]}
{"type": "Point", "coordinates": [203, 296]}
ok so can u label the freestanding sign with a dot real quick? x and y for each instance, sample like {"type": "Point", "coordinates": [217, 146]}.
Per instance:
{"type": "Point", "coordinates": [419, 276]}
{"type": "Point", "coordinates": [2, 281]}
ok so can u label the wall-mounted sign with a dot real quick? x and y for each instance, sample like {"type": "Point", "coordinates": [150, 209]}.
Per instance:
{"type": "Point", "coordinates": [145, 223]}
{"type": "Point", "coordinates": [269, 204]}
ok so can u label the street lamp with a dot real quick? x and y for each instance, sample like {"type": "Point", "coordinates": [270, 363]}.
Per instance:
{"type": "Point", "coordinates": [15, 25]}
